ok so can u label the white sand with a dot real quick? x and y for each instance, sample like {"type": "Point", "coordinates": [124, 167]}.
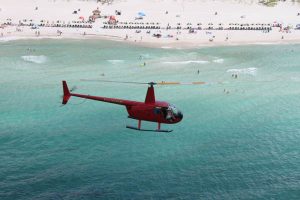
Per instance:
{"type": "Point", "coordinates": [179, 11]}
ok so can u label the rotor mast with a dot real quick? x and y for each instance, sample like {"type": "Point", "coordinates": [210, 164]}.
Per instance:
{"type": "Point", "coordinates": [150, 96]}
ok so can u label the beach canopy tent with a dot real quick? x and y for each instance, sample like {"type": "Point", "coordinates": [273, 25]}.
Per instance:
{"type": "Point", "coordinates": [96, 12]}
{"type": "Point", "coordinates": [141, 14]}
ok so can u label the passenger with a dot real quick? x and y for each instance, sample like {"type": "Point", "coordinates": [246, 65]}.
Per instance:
{"type": "Point", "coordinates": [169, 115]}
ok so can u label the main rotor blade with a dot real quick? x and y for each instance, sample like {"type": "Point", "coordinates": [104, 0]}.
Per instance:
{"type": "Point", "coordinates": [180, 83]}
{"type": "Point", "coordinates": [107, 81]}
{"type": "Point", "coordinates": [144, 83]}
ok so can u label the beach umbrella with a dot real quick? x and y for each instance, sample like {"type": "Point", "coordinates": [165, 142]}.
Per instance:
{"type": "Point", "coordinates": [81, 17]}
{"type": "Point", "coordinates": [96, 12]}
{"type": "Point", "coordinates": [141, 14]}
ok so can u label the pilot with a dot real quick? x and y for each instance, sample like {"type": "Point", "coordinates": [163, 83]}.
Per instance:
{"type": "Point", "coordinates": [169, 116]}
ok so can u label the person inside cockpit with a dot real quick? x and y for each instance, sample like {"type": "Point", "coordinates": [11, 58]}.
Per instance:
{"type": "Point", "coordinates": [169, 115]}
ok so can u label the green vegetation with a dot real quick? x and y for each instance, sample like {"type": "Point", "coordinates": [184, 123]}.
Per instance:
{"type": "Point", "coordinates": [272, 3]}
{"type": "Point", "coordinates": [269, 3]}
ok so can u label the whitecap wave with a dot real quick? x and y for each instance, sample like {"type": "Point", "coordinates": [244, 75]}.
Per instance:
{"type": "Point", "coordinates": [295, 79]}
{"type": "Point", "coordinates": [115, 61]}
{"type": "Point", "coordinates": [186, 62]}
{"type": "Point", "coordinates": [251, 71]}
{"type": "Point", "coordinates": [219, 60]}
{"type": "Point", "coordinates": [35, 59]}
{"type": "Point", "coordinates": [166, 47]}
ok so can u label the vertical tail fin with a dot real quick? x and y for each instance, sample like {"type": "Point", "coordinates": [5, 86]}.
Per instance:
{"type": "Point", "coordinates": [67, 93]}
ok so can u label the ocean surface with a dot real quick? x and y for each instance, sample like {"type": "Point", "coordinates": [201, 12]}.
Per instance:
{"type": "Point", "coordinates": [239, 138]}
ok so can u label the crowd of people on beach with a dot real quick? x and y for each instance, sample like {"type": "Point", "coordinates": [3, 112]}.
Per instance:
{"type": "Point", "coordinates": [142, 24]}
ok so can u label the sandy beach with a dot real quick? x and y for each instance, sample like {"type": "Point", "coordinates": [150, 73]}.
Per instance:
{"type": "Point", "coordinates": [164, 23]}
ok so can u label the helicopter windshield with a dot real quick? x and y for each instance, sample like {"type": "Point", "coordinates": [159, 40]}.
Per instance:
{"type": "Point", "coordinates": [174, 110]}
{"type": "Point", "coordinates": [171, 113]}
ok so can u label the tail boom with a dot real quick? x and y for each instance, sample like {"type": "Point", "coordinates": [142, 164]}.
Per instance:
{"type": "Point", "coordinates": [67, 96]}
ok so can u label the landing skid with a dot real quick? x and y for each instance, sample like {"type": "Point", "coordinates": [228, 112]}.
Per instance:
{"type": "Point", "coordinates": [149, 130]}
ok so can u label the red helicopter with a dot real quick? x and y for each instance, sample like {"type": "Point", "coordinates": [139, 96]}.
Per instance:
{"type": "Point", "coordinates": [150, 110]}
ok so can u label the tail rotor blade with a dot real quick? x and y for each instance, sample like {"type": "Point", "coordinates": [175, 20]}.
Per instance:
{"type": "Point", "coordinates": [73, 89]}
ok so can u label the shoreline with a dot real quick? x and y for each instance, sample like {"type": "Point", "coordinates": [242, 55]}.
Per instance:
{"type": "Point", "coordinates": [146, 44]}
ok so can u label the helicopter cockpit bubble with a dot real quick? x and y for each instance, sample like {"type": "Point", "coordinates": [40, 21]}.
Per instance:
{"type": "Point", "coordinates": [171, 113]}
{"type": "Point", "coordinates": [175, 111]}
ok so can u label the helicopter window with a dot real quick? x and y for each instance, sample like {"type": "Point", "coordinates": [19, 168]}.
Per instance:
{"type": "Point", "coordinates": [174, 110]}
{"type": "Point", "coordinates": [169, 115]}
{"type": "Point", "coordinates": [156, 111]}
{"type": "Point", "coordinates": [165, 112]}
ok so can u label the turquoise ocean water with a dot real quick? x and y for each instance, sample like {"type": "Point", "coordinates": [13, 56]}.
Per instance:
{"type": "Point", "coordinates": [243, 143]}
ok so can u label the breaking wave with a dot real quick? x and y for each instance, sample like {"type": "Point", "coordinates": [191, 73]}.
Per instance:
{"type": "Point", "coordinates": [166, 47]}
{"type": "Point", "coordinates": [35, 59]}
{"type": "Point", "coordinates": [186, 62]}
{"type": "Point", "coordinates": [115, 61]}
{"type": "Point", "coordinates": [296, 79]}
{"type": "Point", "coordinates": [220, 60]}
{"type": "Point", "coordinates": [251, 71]}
